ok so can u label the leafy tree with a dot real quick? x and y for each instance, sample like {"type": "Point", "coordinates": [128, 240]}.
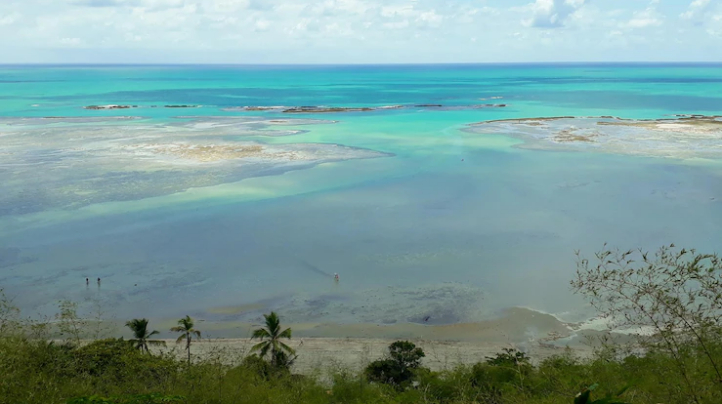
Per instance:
{"type": "Point", "coordinates": [270, 337]}
{"type": "Point", "coordinates": [675, 293]}
{"type": "Point", "coordinates": [257, 366]}
{"type": "Point", "coordinates": [185, 327]}
{"type": "Point", "coordinates": [398, 368]}
{"type": "Point", "coordinates": [141, 335]}
{"type": "Point", "coordinates": [70, 324]}
{"type": "Point", "coordinates": [508, 357]}
{"type": "Point", "coordinates": [406, 354]}
{"type": "Point", "coordinates": [108, 356]}
{"type": "Point", "coordinates": [507, 370]}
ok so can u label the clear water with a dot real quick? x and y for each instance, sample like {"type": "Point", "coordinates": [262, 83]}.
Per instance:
{"type": "Point", "coordinates": [451, 224]}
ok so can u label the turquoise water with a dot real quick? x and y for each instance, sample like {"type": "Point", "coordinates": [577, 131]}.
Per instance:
{"type": "Point", "coordinates": [419, 216]}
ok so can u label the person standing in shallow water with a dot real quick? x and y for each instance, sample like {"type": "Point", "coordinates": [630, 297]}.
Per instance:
{"type": "Point", "coordinates": [98, 281]}
{"type": "Point", "coordinates": [335, 277]}
{"type": "Point", "coordinates": [87, 281]}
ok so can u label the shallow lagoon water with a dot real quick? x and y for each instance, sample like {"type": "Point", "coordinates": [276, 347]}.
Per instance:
{"type": "Point", "coordinates": [444, 226]}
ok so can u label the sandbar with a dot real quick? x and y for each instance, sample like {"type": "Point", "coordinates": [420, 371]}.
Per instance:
{"type": "Point", "coordinates": [682, 137]}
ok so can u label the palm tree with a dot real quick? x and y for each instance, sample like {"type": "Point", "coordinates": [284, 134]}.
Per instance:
{"type": "Point", "coordinates": [185, 327]}
{"type": "Point", "coordinates": [141, 336]}
{"type": "Point", "coordinates": [271, 339]}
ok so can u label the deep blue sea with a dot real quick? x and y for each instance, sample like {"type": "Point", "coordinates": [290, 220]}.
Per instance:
{"type": "Point", "coordinates": [189, 202]}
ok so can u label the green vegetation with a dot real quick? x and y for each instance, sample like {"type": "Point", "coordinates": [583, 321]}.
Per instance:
{"type": "Point", "coordinates": [399, 369]}
{"type": "Point", "coordinates": [141, 335]}
{"type": "Point", "coordinates": [271, 342]}
{"type": "Point", "coordinates": [185, 327]}
{"type": "Point", "coordinates": [674, 294]}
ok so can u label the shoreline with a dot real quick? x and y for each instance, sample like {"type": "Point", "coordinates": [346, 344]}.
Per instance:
{"type": "Point", "coordinates": [525, 329]}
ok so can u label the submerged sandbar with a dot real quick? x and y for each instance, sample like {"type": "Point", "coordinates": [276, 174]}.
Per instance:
{"type": "Point", "coordinates": [92, 160]}
{"type": "Point", "coordinates": [693, 136]}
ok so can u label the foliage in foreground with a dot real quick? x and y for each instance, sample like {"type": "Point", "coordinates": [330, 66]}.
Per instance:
{"type": "Point", "coordinates": [676, 293]}
{"type": "Point", "coordinates": [399, 367]}
{"type": "Point", "coordinates": [113, 371]}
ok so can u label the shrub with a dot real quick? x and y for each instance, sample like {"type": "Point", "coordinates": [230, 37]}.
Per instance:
{"type": "Point", "coordinates": [131, 399]}
{"type": "Point", "coordinates": [118, 360]}
{"type": "Point", "coordinates": [398, 369]}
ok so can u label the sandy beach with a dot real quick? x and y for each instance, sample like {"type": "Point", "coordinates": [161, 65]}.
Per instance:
{"type": "Point", "coordinates": [352, 346]}
{"type": "Point", "coordinates": [319, 355]}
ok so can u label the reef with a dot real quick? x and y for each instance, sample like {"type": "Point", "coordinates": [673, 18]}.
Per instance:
{"type": "Point", "coordinates": [326, 110]}
{"type": "Point", "coordinates": [323, 110]}
{"type": "Point", "coordinates": [685, 136]}
{"type": "Point", "coordinates": [97, 107]}
{"type": "Point", "coordinates": [98, 160]}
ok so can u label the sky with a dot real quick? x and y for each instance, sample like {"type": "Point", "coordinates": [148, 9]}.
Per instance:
{"type": "Point", "coordinates": [359, 31]}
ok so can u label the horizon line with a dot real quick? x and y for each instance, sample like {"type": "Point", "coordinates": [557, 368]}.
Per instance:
{"type": "Point", "coordinates": [368, 64]}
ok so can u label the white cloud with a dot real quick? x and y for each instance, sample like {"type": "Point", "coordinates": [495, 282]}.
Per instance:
{"type": "Point", "coordinates": [397, 24]}
{"type": "Point", "coordinates": [715, 26]}
{"type": "Point", "coordinates": [403, 10]}
{"type": "Point", "coordinates": [298, 31]}
{"type": "Point", "coordinates": [70, 41]}
{"type": "Point", "coordinates": [649, 17]}
{"type": "Point", "coordinates": [262, 25]}
{"type": "Point", "coordinates": [552, 13]}
{"type": "Point", "coordinates": [696, 9]}
{"type": "Point", "coordinates": [9, 19]}
{"type": "Point", "coordinates": [429, 19]}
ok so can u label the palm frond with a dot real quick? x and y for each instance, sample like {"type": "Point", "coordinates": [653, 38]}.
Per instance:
{"type": "Point", "coordinates": [272, 322]}
{"type": "Point", "coordinates": [259, 346]}
{"type": "Point", "coordinates": [261, 333]}
{"type": "Point", "coordinates": [196, 333]}
{"type": "Point", "coordinates": [286, 348]}
{"type": "Point", "coordinates": [154, 332]}
{"type": "Point", "coordinates": [177, 329]}
{"type": "Point", "coordinates": [180, 339]}
{"type": "Point", "coordinates": [285, 334]}
{"type": "Point", "coordinates": [186, 322]}
{"type": "Point", "coordinates": [139, 326]}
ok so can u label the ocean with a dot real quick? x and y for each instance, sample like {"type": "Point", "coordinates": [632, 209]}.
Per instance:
{"type": "Point", "coordinates": [224, 192]}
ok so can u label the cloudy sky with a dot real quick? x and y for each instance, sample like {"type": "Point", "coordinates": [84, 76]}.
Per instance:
{"type": "Point", "coordinates": [358, 31]}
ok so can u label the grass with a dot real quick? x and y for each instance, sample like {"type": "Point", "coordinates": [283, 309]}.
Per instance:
{"type": "Point", "coordinates": [38, 371]}
{"type": "Point", "coordinates": [677, 291]}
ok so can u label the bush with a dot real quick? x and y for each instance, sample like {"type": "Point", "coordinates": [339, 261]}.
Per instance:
{"type": "Point", "coordinates": [132, 399]}
{"type": "Point", "coordinates": [116, 360]}
{"type": "Point", "coordinates": [398, 369]}
{"type": "Point", "coordinates": [257, 366]}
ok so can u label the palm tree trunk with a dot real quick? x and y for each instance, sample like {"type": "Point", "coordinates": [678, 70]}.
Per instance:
{"type": "Point", "coordinates": [188, 348]}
